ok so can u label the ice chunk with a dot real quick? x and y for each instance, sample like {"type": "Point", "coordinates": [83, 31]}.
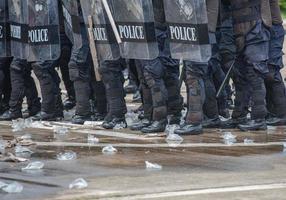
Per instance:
{"type": "Point", "coordinates": [68, 155]}
{"type": "Point", "coordinates": [229, 138]}
{"type": "Point", "coordinates": [79, 183]}
{"type": "Point", "coordinates": [109, 150]}
{"type": "Point", "coordinates": [2, 184]}
{"type": "Point", "coordinates": [248, 141]}
{"type": "Point", "coordinates": [18, 125]}
{"type": "Point", "coordinates": [131, 118]}
{"type": "Point", "coordinates": [170, 129]}
{"type": "Point", "coordinates": [34, 166]}
{"type": "Point", "coordinates": [152, 166]}
{"type": "Point", "coordinates": [120, 126]}
{"type": "Point", "coordinates": [62, 130]}
{"type": "Point", "coordinates": [174, 140]}
{"type": "Point", "coordinates": [13, 188]}
{"type": "Point", "coordinates": [91, 139]}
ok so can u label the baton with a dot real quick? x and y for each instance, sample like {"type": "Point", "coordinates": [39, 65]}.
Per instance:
{"type": "Point", "coordinates": [112, 22]}
{"type": "Point", "coordinates": [183, 73]}
{"type": "Point", "coordinates": [93, 48]}
{"type": "Point", "coordinates": [226, 79]}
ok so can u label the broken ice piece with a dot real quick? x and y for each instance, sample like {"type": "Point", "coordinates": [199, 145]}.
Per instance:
{"type": "Point", "coordinates": [13, 188]}
{"type": "Point", "coordinates": [69, 155]}
{"type": "Point", "coordinates": [152, 166]}
{"type": "Point", "coordinates": [62, 130]}
{"type": "Point", "coordinates": [229, 138]}
{"type": "Point", "coordinates": [2, 184]}
{"type": "Point", "coordinates": [170, 129]}
{"type": "Point", "coordinates": [34, 166]}
{"type": "Point", "coordinates": [174, 140]}
{"type": "Point", "coordinates": [248, 141]}
{"type": "Point", "coordinates": [20, 149]}
{"type": "Point", "coordinates": [120, 126]}
{"type": "Point", "coordinates": [79, 183]}
{"type": "Point", "coordinates": [91, 139]}
{"type": "Point", "coordinates": [18, 125]}
{"type": "Point", "coordinates": [109, 150]}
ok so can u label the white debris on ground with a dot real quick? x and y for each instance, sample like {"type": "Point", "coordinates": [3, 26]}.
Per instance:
{"type": "Point", "coordinates": [109, 150]}
{"type": "Point", "coordinates": [229, 138]}
{"type": "Point", "coordinates": [14, 187]}
{"type": "Point", "coordinates": [92, 139]}
{"type": "Point", "coordinates": [37, 165]}
{"type": "Point", "coordinates": [131, 118]}
{"type": "Point", "coordinates": [21, 124]}
{"type": "Point", "coordinates": [170, 129]}
{"type": "Point", "coordinates": [79, 183]}
{"type": "Point", "coordinates": [120, 126]}
{"type": "Point", "coordinates": [152, 166]}
{"type": "Point", "coordinates": [248, 141]}
{"type": "Point", "coordinates": [174, 140]}
{"type": "Point", "coordinates": [66, 156]}
{"type": "Point", "coordinates": [20, 149]}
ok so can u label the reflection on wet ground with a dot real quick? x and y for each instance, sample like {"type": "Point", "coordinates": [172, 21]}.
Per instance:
{"type": "Point", "coordinates": [196, 154]}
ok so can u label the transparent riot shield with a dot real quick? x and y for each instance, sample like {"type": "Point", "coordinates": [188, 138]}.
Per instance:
{"type": "Point", "coordinates": [72, 21]}
{"type": "Point", "coordinates": [188, 27]}
{"type": "Point", "coordinates": [44, 30]}
{"type": "Point", "coordinates": [135, 23]}
{"type": "Point", "coordinates": [103, 36]}
{"type": "Point", "coordinates": [18, 19]}
{"type": "Point", "coordinates": [4, 29]}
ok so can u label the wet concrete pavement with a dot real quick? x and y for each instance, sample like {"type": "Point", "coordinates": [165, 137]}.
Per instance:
{"type": "Point", "coordinates": [202, 167]}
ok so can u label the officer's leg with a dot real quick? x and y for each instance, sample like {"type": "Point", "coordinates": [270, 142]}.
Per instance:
{"type": "Point", "coordinates": [276, 95]}
{"type": "Point", "coordinates": [175, 100]}
{"type": "Point", "coordinates": [196, 98]}
{"type": "Point", "coordinates": [5, 84]}
{"type": "Point", "coordinates": [69, 103]}
{"type": "Point", "coordinates": [18, 90]}
{"type": "Point", "coordinates": [147, 100]}
{"type": "Point", "coordinates": [31, 93]}
{"type": "Point", "coordinates": [112, 77]}
{"type": "Point", "coordinates": [242, 97]}
{"type": "Point", "coordinates": [98, 91]}
{"type": "Point", "coordinates": [153, 74]}
{"type": "Point", "coordinates": [49, 83]}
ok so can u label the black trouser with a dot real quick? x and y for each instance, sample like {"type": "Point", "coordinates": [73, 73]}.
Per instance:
{"type": "Point", "coordinates": [50, 86]}
{"type": "Point", "coordinates": [5, 83]}
{"type": "Point", "coordinates": [23, 85]}
{"type": "Point", "coordinates": [66, 48]}
{"type": "Point", "coordinates": [112, 77]}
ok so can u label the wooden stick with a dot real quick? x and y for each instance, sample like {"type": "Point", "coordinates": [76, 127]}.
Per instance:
{"type": "Point", "coordinates": [93, 49]}
{"type": "Point", "coordinates": [112, 22]}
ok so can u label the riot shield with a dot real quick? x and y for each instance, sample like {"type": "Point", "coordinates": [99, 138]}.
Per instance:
{"type": "Point", "coordinates": [72, 21]}
{"type": "Point", "coordinates": [136, 27]}
{"type": "Point", "coordinates": [18, 19]}
{"type": "Point", "coordinates": [4, 29]}
{"type": "Point", "coordinates": [188, 28]}
{"type": "Point", "coordinates": [44, 30]}
{"type": "Point", "coordinates": [103, 36]}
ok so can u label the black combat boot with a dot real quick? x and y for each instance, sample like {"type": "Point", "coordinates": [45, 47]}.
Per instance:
{"type": "Point", "coordinates": [44, 116]}
{"type": "Point", "coordinates": [155, 127]}
{"type": "Point", "coordinates": [276, 121]}
{"type": "Point", "coordinates": [190, 129]}
{"type": "Point", "coordinates": [175, 119]}
{"type": "Point", "coordinates": [140, 125]}
{"type": "Point", "coordinates": [110, 124]}
{"type": "Point", "coordinates": [212, 123]}
{"type": "Point", "coordinates": [253, 125]}
{"type": "Point", "coordinates": [80, 119]}
{"type": "Point", "coordinates": [233, 123]}
{"type": "Point", "coordinates": [10, 115]}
